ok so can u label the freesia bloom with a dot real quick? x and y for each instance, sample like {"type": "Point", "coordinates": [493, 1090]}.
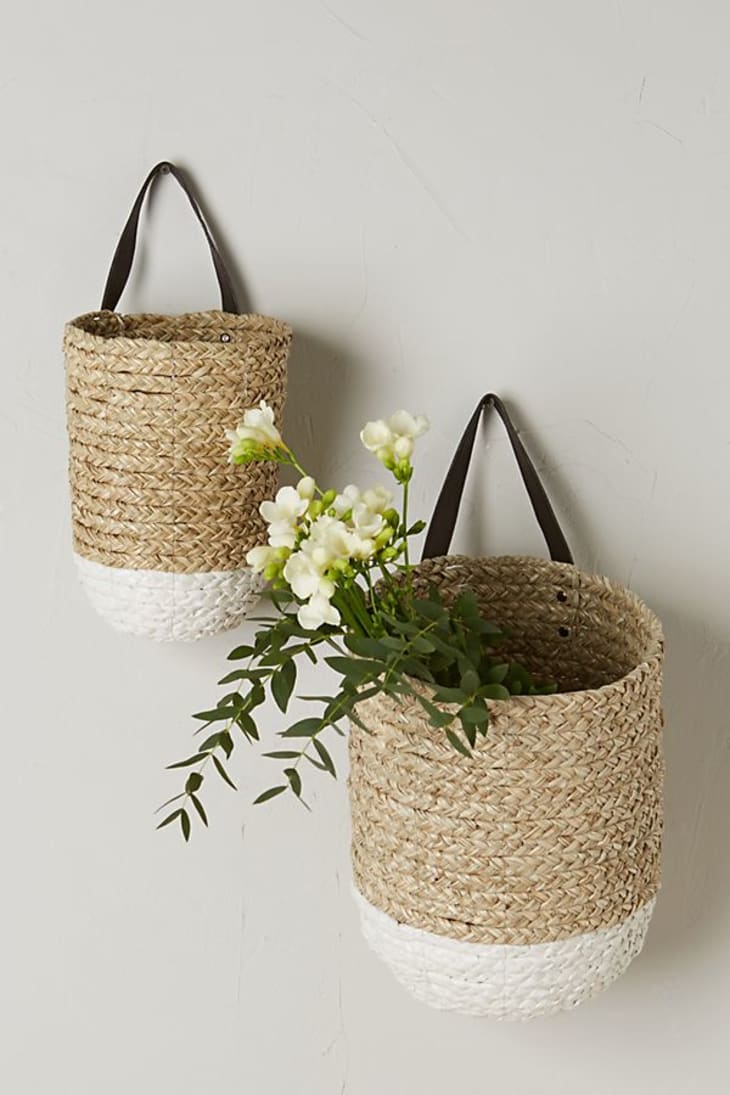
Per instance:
{"type": "Point", "coordinates": [377, 498]}
{"type": "Point", "coordinates": [365, 522]}
{"type": "Point", "coordinates": [305, 577]}
{"type": "Point", "coordinates": [258, 558]}
{"type": "Point", "coordinates": [346, 500]}
{"type": "Point", "coordinates": [316, 612]}
{"type": "Point", "coordinates": [393, 441]}
{"type": "Point", "coordinates": [256, 437]}
{"type": "Point", "coordinates": [282, 515]}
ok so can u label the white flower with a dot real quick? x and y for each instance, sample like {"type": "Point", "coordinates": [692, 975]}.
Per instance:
{"type": "Point", "coordinates": [305, 577]}
{"type": "Point", "coordinates": [346, 500]}
{"type": "Point", "coordinates": [392, 441]}
{"type": "Point", "coordinates": [365, 522]}
{"type": "Point", "coordinates": [376, 435]}
{"type": "Point", "coordinates": [330, 537]}
{"type": "Point", "coordinates": [282, 515]}
{"type": "Point", "coordinates": [403, 424]}
{"type": "Point", "coordinates": [316, 612]}
{"type": "Point", "coordinates": [256, 436]}
{"type": "Point", "coordinates": [259, 558]}
{"type": "Point", "coordinates": [377, 498]}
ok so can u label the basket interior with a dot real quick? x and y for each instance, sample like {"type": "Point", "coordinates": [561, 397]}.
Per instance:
{"type": "Point", "coordinates": [566, 626]}
{"type": "Point", "coordinates": [212, 326]}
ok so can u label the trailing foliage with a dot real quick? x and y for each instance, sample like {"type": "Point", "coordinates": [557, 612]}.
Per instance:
{"type": "Point", "coordinates": [379, 636]}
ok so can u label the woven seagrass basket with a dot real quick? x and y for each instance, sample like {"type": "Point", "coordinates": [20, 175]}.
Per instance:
{"type": "Point", "coordinates": [161, 523]}
{"type": "Point", "coordinates": [521, 881]}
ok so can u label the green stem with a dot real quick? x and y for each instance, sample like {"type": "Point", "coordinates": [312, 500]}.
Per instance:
{"type": "Point", "coordinates": [405, 524]}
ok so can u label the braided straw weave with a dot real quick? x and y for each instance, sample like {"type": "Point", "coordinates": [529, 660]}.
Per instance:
{"type": "Point", "coordinates": [521, 880]}
{"type": "Point", "coordinates": [161, 522]}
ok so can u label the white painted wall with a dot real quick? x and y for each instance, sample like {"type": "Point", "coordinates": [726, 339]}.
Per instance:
{"type": "Point", "coordinates": [442, 198]}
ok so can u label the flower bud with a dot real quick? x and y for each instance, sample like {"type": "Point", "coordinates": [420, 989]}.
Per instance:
{"type": "Point", "coordinates": [306, 487]}
{"type": "Point", "coordinates": [384, 537]}
{"type": "Point", "coordinates": [328, 498]}
{"type": "Point", "coordinates": [403, 448]}
{"type": "Point", "coordinates": [315, 508]}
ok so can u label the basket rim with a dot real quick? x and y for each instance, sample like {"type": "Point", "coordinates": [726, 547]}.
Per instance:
{"type": "Point", "coordinates": [264, 325]}
{"type": "Point", "coordinates": [652, 660]}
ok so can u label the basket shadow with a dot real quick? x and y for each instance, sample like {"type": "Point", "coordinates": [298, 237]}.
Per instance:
{"type": "Point", "coordinates": [694, 903]}
{"type": "Point", "coordinates": [320, 372]}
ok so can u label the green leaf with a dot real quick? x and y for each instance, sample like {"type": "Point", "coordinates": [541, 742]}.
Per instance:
{"type": "Point", "coordinates": [185, 824]}
{"type": "Point", "coordinates": [497, 673]}
{"type": "Point", "coordinates": [305, 728]}
{"type": "Point", "coordinates": [199, 807]}
{"type": "Point", "coordinates": [474, 715]}
{"type": "Point", "coordinates": [436, 716]}
{"type": "Point", "coordinates": [485, 627]}
{"type": "Point", "coordinates": [216, 715]}
{"type": "Point", "coordinates": [295, 781]}
{"type": "Point", "coordinates": [195, 759]}
{"type": "Point", "coordinates": [282, 684]}
{"type": "Point", "coordinates": [235, 675]}
{"type": "Point", "coordinates": [365, 646]}
{"type": "Point", "coordinates": [324, 757]}
{"type": "Point", "coordinates": [466, 605]}
{"type": "Point", "coordinates": [222, 773]}
{"type": "Point", "coordinates": [271, 793]}
{"type": "Point", "coordinates": [170, 818]}
{"type": "Point", "coordinates": [247, 726]}
{"type": "Point", "coordinates": [431, 610]}
{"type": "Point", "coordinates": [457, 743]}
{"type": "Point", "coordinates": [470, 732]}
{"type": "Point", "coordinates": [283, 754]}
{"type": "Point", "coordinates": [193, 782]}
{"type": "Point", "coordinates": [494, 692]}
{"type": "Point", "coordinates": [355, 669]}
{"type": "Point", "coordinates": [226, 743]}
{"type": "Point", "coordinates": [173, 799]}
{"type": "Point", "coordinates": [450, 695]}
{"type": "Point", "coordinates": [470, 681]}
{"type": "Point", "coordinates": [241, 652]}
{"type": "Point", "coordinates": [211, 743]}
{"type": "Point", "coordinates": [422, 645]}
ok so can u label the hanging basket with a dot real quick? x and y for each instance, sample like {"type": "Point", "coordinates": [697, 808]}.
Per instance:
{"type": "Point", "coordinates": [520, 881]}
{"type": "Point", "coordinates": [161, 523]}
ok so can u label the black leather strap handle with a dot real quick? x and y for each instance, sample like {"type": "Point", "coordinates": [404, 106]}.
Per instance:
{"type": "Point", "coordinates": [441, 528]}
{"type": "Point", "coordinates": [124, 254]}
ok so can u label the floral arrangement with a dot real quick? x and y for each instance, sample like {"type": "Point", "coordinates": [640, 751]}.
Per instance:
{"type": "Point", "coordinates": [341, 583]}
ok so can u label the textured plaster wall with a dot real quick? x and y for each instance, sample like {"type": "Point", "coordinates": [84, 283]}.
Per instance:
{"type": "Point", "coordinates": [442, 199]}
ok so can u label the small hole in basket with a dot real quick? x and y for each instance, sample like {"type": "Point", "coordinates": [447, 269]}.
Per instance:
{"type": "Point", "coordinates": [562, 596]}
{"type": "Point", "coordinates": [564, 631]}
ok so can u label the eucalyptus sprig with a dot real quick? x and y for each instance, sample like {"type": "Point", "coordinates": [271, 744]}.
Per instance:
{"type": "Point", "coordinates": [341, 579]}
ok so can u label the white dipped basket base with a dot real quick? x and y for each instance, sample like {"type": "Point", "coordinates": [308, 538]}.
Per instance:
{"type": "Point", "coordinates": [169, 607]}
{"type": "Point", "coordinates": [504, 980]}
